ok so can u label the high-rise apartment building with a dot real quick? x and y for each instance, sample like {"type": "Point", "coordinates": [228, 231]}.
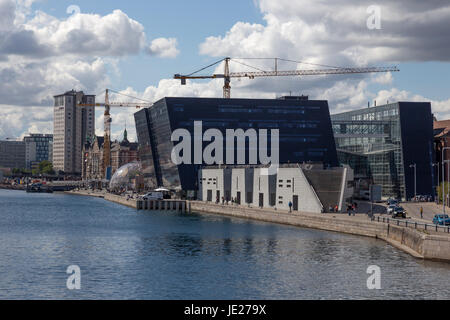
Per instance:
{"type": "Point", "coordinates": [38, 148]}
{"type": "Point", "coordinates": [72, 127]}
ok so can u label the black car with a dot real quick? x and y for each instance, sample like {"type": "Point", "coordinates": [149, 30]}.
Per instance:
{"type": "Point", "coordinates": [399, 212]}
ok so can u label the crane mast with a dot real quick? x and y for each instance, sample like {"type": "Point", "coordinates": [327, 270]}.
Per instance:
{"type": "Point", "coordinates": [107, 136]}
{"type": "Point", "coordinates": [227, 80]}
{"type": "Point", "coordinates": [107, 124]}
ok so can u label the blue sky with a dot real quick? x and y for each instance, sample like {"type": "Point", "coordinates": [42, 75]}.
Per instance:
{"type": "Point", "coordinates": [137, 46]}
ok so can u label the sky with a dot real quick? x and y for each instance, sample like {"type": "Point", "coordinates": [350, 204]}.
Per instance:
{"type": "Point", "coordinates": [135, 47]}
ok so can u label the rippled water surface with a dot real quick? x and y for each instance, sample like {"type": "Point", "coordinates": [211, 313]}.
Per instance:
{"type": "Point", "coordinates": [125, 254]}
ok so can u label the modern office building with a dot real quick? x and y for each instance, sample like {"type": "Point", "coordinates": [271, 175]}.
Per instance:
{"type": "Point", "coordinates": [304, 126]}
{"type": "Point", "coordinates": [73, 125]}
{"type": "Point", "coordinates": [38, 147]}
{"type": "Point", "coordinates": [12, 154]}
{"type": "Point", "coordinates": [384, 143]}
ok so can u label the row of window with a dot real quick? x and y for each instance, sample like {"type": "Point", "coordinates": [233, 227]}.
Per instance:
{"type": "Point", "coordinates": [375, 115]}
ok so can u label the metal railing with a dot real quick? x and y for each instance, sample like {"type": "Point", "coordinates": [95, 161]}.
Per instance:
{"type": "Point", "coordinates": [413, 224]}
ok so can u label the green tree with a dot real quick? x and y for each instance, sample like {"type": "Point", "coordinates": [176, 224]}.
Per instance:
{"type": "Point", "coordinates": [439, 190]}
{"type": "Point", "coordinates": [46, 167]}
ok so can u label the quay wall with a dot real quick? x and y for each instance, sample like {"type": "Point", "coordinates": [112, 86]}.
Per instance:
{"type": "Point", "coordinates": [132, 203]}
{"type": "Point", "coordinates": [414, 242]}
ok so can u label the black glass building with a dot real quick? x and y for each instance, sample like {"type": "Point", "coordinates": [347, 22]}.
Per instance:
{"type": "Point", "coordinates": [383, 143]}
{"type": "Point", "coordinates": [305, 133]}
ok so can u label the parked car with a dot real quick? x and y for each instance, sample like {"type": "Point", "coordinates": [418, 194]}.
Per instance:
{"type": "Point", "coordinates": [391, 202]}
{"type": "Point", "coordinates": [154, 195]}
{"type": "Point", "coordinates": [399, 212]}
{"type": "Point", "coordinates": [441, 219]}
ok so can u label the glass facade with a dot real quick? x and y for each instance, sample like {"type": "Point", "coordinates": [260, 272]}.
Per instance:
{"type": "Point", "coordinates": [305, 133]}
{"type": "Point", "coordinates": [144, 131]}
{"type": "Point", "coordinates": [381, 143]}
{"type": "Point", "coordinates": [39, 148]}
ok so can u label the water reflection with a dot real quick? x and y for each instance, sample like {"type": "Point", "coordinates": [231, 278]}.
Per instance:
{"type": "Point", "coordinates": [183, 244]}
{"type": "Point", "coordinates": [126, 254]}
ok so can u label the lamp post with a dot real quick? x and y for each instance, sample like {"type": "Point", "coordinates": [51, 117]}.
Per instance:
{"type": "Point", "coordinates": [448, 177]}
{"type": "Point", "coordinates": [436, 165]}
{"type": "Point", "coordinates": [415, 180]}
{"type": "Point", "coordinates": [443, 177]}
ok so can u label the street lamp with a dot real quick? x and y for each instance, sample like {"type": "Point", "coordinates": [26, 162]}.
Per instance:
{"type": "Point", "coordinates": [448, 179]}
{"type": "Point", "coordinates": [443, 177]}
{"type": "Point", "coordinates": [415, 180]}
{"type": "Point", "coordinates": [436, 165]}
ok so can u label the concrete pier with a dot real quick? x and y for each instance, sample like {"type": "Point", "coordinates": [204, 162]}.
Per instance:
{"type": "Point", "coordinates": [162, 205]}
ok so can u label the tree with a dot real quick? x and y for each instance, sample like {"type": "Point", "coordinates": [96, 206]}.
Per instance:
{"type": "Point", "coordinates": [44, 167]}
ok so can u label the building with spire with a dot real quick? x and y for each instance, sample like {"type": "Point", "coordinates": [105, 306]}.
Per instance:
{"type": "Point", "coordinates": [121, 153]}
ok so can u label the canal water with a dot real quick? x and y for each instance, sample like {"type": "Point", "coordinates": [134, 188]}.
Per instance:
{"type": "Point", "coordinates": [125, 254]}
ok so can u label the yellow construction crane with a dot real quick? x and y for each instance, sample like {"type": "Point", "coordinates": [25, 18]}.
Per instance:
{"type": "Point", "coordinates": [227, 75]}
{"type": "Point", "coordinates": [107, 121]}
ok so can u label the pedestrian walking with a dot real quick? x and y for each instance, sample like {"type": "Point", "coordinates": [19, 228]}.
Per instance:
{"type": "Point", "coordinates": [290, 206]}
{"type": "Point", "coordinates": [421, 212]}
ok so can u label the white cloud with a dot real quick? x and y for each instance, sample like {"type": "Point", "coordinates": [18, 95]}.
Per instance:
{"type": "Point", "coordinates": [336, 33]}
{"type": "Point", "coordinates": [164, 48]}
{"type": "Point", "coordinates": [41, 56]}
{"type": "Point", "coordinates": [88, 34]}
{"type": "Point", "coordinates": [383, 78]}
{"type": "Point", "coordinates": [73, 53]}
